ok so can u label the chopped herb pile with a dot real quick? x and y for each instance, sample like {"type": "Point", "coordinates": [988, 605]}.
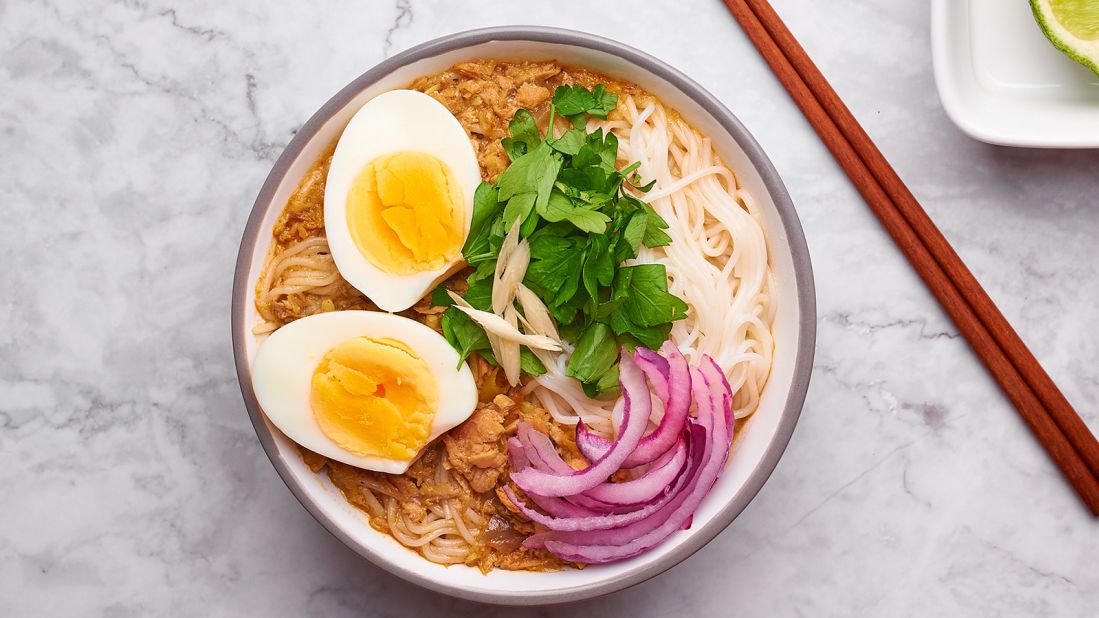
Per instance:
{"type": "Point", "coordinates": [581, 224]}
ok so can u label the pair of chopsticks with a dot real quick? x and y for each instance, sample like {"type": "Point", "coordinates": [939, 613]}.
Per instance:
{"type": "Point", "coordinates": [1050, 416]}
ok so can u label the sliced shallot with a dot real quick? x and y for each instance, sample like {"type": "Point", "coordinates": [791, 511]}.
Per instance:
{"type": "Point", "coordinates": [536, 313]}
{"type": "Point", "coordinates": [507, 352]}
{"type": "Point", "coordinates": [496, 325]}
{"type": "Point", "coordinates": [508, 275]}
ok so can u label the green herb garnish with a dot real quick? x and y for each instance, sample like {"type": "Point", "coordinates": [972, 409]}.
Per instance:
{"type": "Point", "coordinates": [568, 196]}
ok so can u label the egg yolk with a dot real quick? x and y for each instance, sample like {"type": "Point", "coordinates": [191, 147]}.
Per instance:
{"type": "Point", "coordinates": [406, 213]}
{"type": "Point", "coordinates": [375, 398]}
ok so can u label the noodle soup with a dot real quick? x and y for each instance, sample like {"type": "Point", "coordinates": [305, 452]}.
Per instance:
{"type": "Point", "coordinates": [459, 502]}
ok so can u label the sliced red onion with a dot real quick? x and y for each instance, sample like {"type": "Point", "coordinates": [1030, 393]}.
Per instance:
{"type": "Point", "coordinates": [660, 371]}
{"type": "Point", "coordinates": [707, 435]}
{"type": "Point", "coordinates": [593, 522]}
{"type": "Point", "coordinates": [557, 507]}
{"type": "Point", "coordinates": [619, 497]}
{"type": "Point", "coordinates": [603, 521]}
{"type": "Point", "coordinates": [592, 445]}
{"type": "Point", "coordinates": [717, 376]}
{"type": "Point", "coordinates": [635, 418]}
{"type": "Point", "coordinates": [696, 449]}
{"type": "Point", "coordinates": [675, 376]}
{"type": "Point", "coordinates": [543, 456]}
{"type": "Point", "coordinates": [560, 507]}
{"type": "Point", "coordinates": [517, 454]}
{"type": "Point", "coordinates": [541, 451]}
{"type": "Point", "coordinates": [599, 506]}
{"type": "Point", "coordinates": [650, 485]}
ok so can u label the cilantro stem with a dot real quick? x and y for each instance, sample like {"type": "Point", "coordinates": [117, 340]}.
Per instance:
{"type": "Point", "coordinates": [549, 129]}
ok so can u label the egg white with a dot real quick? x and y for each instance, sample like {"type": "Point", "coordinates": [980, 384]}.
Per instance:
{"type": "Point", "coordinates": [399, 120]}
{"type": "Point", "coordinates": [284, 366]}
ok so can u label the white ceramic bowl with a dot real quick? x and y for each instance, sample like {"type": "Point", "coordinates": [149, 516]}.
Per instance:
{"type": "Point", "coordinates": [756, 451]}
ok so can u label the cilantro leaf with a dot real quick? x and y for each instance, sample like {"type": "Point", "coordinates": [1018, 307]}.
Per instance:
{"type": "Point", "coordinates": [572, 100]}
{"type": "Point", "coordinates": [552, 239]}
{"type": "Point", "coordinates": [591, 221]}
{"type": "Point", "coordinates": [596, 351]}
{"type": "Point", "coordinates": [570, 142]}
{"type": "Point", "coordinates": [486, 207]}
{"type": "Point", "coordinates": [463, 334]}
{"type": "Point", "coordinates": [556, 275]}
{"type": "Point", "coordinates": [576, 99]}
{"type": "Point", "coordinates": [519, 208]}
{"type": "Point", "coordinates": [484, 270]}
{"type": "Point", "coordinates": [566, 314]}
{"type": "Point", "coordinates": [649, 302]}
{"type": "Point", "coordinates": [584, 180]}
{"type": "Point", "coordinates": [560, 208]}
{"type": "Point", "coordinates": [529, 363]}
{"type": "Point", "coordinates": [557, 207]}
{"type": "Point", "coordinates": [524, 135]}
{"type": "Point", "coordinates": [606, 309]}
{"type": "Point", "coordinates": [533, 173]}
{"type": "Point", "coordinates": [603, 102]}
{"type": "Point", "coordinates": [632, 235]}
{"type": "Point", "coordinates": [654, 226]}
{"type": "Point", "coordinates": [479, 294]}
{"type": "Point", "coordinates": [598, 269]}
{"type": "Point", "coordinates": [649, 337]}
{"type": "Point", "coordinates": [439, 297]}
{"type": "Point", "coordinates": [599, 150]}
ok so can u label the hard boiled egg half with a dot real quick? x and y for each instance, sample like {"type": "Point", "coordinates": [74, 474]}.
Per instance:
{"type": "Point", "coordinates": [366, 388]}
{"type": "Point", "coordinates": [399, 197]}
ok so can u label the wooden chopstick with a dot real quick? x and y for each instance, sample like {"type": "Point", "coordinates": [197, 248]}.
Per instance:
{"type": "Point", "coordinates": [1017, 352]}
{"type": "Point", "coordinates": [927, 250]}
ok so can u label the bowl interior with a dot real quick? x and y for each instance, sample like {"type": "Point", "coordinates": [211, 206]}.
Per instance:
{"type": "Point", "coordinates": [756, 450]}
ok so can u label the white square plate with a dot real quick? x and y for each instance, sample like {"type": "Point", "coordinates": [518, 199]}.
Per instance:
{"type": "Point", "coordinates": [1002, 82]}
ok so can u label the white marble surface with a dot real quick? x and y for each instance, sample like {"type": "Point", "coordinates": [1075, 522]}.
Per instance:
{"type": "Point", "coordinates": [134, 137]}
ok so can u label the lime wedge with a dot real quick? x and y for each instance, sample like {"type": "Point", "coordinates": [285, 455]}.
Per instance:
{"type": "Point", "coordinates": [1072, 26]}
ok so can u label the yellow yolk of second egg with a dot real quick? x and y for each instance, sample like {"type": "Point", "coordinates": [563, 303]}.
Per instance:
{"type": "Point", "coordinates": [375, 398]}
{"type": "Point", "coordinates": [406, 213]}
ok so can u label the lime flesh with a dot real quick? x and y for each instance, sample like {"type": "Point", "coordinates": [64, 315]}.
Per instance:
{"type": "Point", "coordinates": [1080, 17]}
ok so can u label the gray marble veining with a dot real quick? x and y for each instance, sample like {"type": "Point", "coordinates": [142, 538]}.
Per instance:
{"type": "Point", "coordinates": [134, 136]}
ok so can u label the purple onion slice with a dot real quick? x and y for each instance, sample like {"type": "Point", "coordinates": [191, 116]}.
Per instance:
{"type": "Point", "coordinates": [541, 452]}
{"type": "Point", "coordinates": [635, 418]}
{"type": "Point", "coordinates": [557, 507]}
{"type": "Point", "coordinates": [601, 521]}
{"type": "Point", "coordinates": [650, 485]}
{"type": "Point", "coordinates": [708, 435]}
{"type": "Point", "coordinates": [675, 375]}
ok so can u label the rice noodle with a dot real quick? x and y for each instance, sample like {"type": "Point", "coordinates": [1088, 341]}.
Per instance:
{"type": "Point", "coordinates": [447, 532]}
{"type": "Point", "coordinates": [305, 266]}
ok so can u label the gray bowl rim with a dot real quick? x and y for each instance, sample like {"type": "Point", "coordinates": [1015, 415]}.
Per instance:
{"type": "Point", "coordinates": [803, 275]}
